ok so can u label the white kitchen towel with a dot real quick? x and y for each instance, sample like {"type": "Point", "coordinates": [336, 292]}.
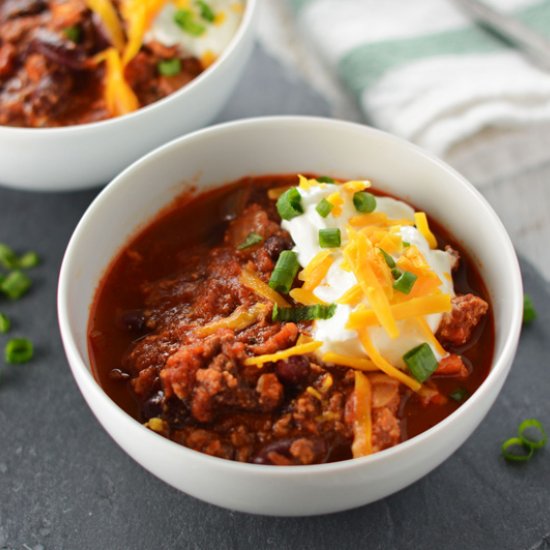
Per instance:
{"type": "Point", "coordinates": [424, 70]}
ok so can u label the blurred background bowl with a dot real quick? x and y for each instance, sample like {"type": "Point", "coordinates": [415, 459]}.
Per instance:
{"type": "Point", "coordinates": [281, 145]}
{"type": "Point", "coordinates": [88, 155]}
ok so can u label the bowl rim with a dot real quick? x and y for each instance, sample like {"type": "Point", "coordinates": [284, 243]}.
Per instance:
{"type": "Point", "coordinates": [84, 377]}
{"type": "Point", "coordinates": [245, 26]}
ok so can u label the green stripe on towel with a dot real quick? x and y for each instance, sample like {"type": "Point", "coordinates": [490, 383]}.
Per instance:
{"type": "Point", "coordinates": [363, 66]}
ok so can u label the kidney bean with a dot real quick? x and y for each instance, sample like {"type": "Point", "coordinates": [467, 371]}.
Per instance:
{"type": "Point", "coordinates": [281, 446]}
{"type": "Point", "coordinates": [153, 406]}
{"type": "Point", "coordinates": [293, 370]}
{"type": "Point", "coordinates": [133, 321]}
{"type": "Point", "coordinates": [275, 244]}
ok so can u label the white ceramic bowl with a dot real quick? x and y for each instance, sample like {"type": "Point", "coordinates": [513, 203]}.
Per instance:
{"type": "Point", "coordinates": [87, 155]}
{"type": "Point", "coordinates": [276, 145]}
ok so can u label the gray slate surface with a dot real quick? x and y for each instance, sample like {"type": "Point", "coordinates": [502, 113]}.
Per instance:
{"type": "Point", "coordinates": [64, 484]}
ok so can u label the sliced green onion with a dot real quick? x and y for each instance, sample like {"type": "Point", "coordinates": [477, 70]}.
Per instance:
{"type": "Point", "coordinates": [459, 394]}
{"type": "Point", "coordinates": [532, 425]}
{"type": "Point", "coordinates": [529, 311]}
{"type": "Point", "coordinates": [18, 350]}
{"type": "Point", "coordinates": [389, 260]}
{"type": "Point", "coordinates": [8, 258]}
{"type": "Point", "coordinates": [28, 260]}
{"type": "Point", "coordinates": [324, 208]}
{"type": "Point", "coordinates": [364, 202]}
{"type": "Point", "coordinates": [289, 204]}
{"type": "Point", "coordinates": [15, 285]}
{"type": "Point", "coordinates": [405, 244]}
{"type": "Point", "coordinates": [73, 33]}
{"type": "Point", "coordinates": [251, 240]}
{"type": "Point", "coordinates": [207, 13]}
{"type": "Point", "coordinates": [185, 19]}
{"type": "Point", "coordinates": [421, 361]}
{"type": "Point", "coordinates": [325, 179]}
{"type": "Point", "coordinates": [169, 67]}
{"type": "Point", "coordinates": [405, 282]}
{"type": "Point", "coordinates": [5, 323]}
{"type": "Point", "coordinates": [285, 271]}
{"type": "Point", "coordinates": [303, 313]}
{"type": "Point", "coordinates": [329, 237]}
{"type": "Point", "coordinates": [515, 450]}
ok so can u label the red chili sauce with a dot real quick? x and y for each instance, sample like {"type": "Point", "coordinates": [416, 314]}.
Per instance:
{"type": "Point", "coordinates": [183, 271]}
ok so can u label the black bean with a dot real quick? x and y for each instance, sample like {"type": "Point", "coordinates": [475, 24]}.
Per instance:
{"type": "Point", "coordinates": [153, 406]}
{"type": "Point", "coordinates": [293, 370]}
{"type": "Point", "coordinates": [133, 321]}
{"type": "Point", "coordinates": [281, 446]}
{"type": "Point", "coordinates": [275, 244]}
{"type": "Point", "coordinates": [117, 374]}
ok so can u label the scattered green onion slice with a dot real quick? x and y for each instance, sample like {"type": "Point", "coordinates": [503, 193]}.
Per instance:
{"type": "Point", "coordinates": [459, 394]}
{"type": "Point", "coordinates": [529, 311]}
{"type": "Point", "coordinates": [73, 33]}
{"type": "Point", "coordinates": [28, 260]}
{"type": "Point", "coordinates": [251, 240]}
{"type": "Point", "coordinates": [405, 244]}
{"type": "Point", "coordinates": [18, 350]}
{"type": "Point", "coordinates": [389, 260]}
{"type": "Point", "coordinates": [8, 258]}
{"type": "Point", "coordinates": [329, 237]}
{"type": "Point", "coordinates": [289, 204]}
{"type": "Point", "coordinates": [404, 282]}
{"type": "Point", "coordinates": [185, 19]}
{"type": "Point", "coordinates": [324, 208]}
{"type": "Point", "coordinates": [169, 67]}
{"type": "Point", "coordinates": [207, 13]}
{"type": "Point", "coordinates": [5, 323]}
{"type": "Point", "coordinates": [15, 285]}
{"type": "Point", "coordinates": [303, 313]}
{"type": "Point", "coordinates": [364, 202]}
{"type": "Point", "coordinates": [285, 271]}
{"type": "Point", "coordinates": [421, 361]}
{"type": "Point", "coordinates": [532, 425]}
{"type": "Point", "coordinates": [325, 179]}
{"type": "Point", "coordinates": [515, 450]}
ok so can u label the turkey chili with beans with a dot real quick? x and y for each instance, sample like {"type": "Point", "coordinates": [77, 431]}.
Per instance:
{"type": "Point", "coordinates": [289, 320]}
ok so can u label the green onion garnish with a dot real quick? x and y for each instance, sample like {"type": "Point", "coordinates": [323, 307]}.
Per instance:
{"type": "Point", "coordinates": [169, 67]}
{"type": "Point", "coordinates": [405, 244]}
{"type": "Point", "coordinates": [8, 258]}
{"type": "Point", "coordinates": [404, 282]}
{"type": "Point", "coordinates": [251, 240]}
{"type": "Point", "coordinates": [421, 361]}
{"type": "Point", "coordinates": [289, 204]}
{"type": "Point", "coordinates": [324, 208]}
{"type": "Point", "coordinates": [15, 285]}
{"type": "Point", "coordinates": [329, 237]}
{"type": "Point", "coordinates": [207, 13]}
{"type": "Point", "coordinates": [459, 394]}
{"type": "Point", "coordinates": [5, 323]}
{"type": "Point", "coordinates": [532, 425]}
{"type": "Point", "coordinates": [28, 260]}
{"type": "Point", "coordinates": [364, 202]}
{"type": "Point", "coordinates": [185, 19]}
{"type": "Point", "coordinates": [73, 33]}
{"type": "Point", "coordinates": [325, 179]}
{"type": "Point", "coordinates": [389, 260]}
{"type": "Point", "coordinates": [303, 313]}
{"type": "Point", "coordinates": [18, 350]}
{"type": "Point", "coordinates": [514, 449]}
{"type": "Point", "coordinates": [285, 271]}
{"type": "Point", "coordinates": [529, 311]}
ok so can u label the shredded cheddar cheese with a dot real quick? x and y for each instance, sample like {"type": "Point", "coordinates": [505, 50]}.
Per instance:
{"type": "Point", "coordinates": [107, 13]}
{"type": "Point", "coordinates": [305, 297]}
{"type": "Point", "coordinates": [208, 58]}
{"type": "Point", "coordinates": [301, 349]}
{"type": "Point", "coordinates": [255, 284]}
{"type": "Point", "coordinates": [238, 320]}
{"type": "Point", "coordinates": [315, 393]}
{"type": "Point", "coordinates": [337, 201]}
{"type": "Point", "coordinates": [422, 225]}
{"type": "Point", "coordinates": [362, 422]}
{"type": "Point", "coordinates": [355, 186]}
{"type": "Point", "coordinates": [358, 363]}
{"type": "Point", "coordinates": [316, 270]}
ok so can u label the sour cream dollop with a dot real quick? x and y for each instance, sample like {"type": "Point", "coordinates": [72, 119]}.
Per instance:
{"type": "Point", "coordinates": [214, 39]}
{"type": "Point", "coordinates": [334, 335]}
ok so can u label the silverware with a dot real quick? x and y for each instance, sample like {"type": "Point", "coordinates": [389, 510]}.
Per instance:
{"type": "Point", "coordinates": [534, 45]}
